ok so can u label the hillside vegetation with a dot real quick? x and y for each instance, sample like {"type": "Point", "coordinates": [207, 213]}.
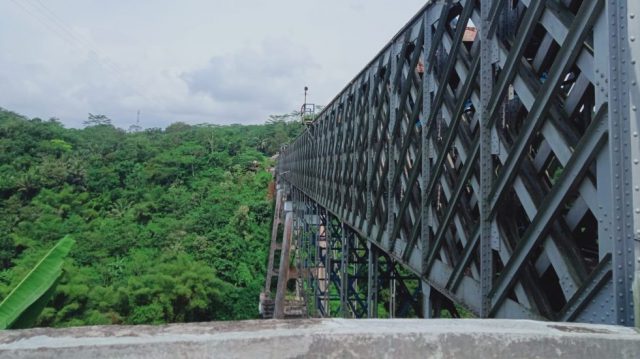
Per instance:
{"type": "Point", "coordinates": [170, 225]}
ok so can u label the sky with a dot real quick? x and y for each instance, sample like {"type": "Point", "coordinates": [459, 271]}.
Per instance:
{"type": "Point", "coordinates": [193, 61]}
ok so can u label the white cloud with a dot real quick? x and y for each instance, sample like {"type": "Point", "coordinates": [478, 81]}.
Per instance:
{"type": "Point", "coordinates": [193, 61]}
{"type": "Point", "coordinates": [253, 78]}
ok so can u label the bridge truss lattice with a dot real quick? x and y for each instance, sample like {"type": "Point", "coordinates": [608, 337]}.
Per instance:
{"type": "Point", "coordinates": [500, 168]}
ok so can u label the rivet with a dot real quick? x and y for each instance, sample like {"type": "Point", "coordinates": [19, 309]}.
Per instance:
{"type": "Point", "coordinates": [632, 38]}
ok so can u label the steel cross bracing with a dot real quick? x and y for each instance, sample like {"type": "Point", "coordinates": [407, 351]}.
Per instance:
{"type": "Point", "coordinates": [501, 168]}
{"type": "Point", "coordinates": [342, 274]}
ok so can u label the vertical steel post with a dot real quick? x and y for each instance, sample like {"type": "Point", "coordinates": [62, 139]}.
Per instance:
{"type": "Point", "coordinates": [328, 265]}
{"type": "Point", "coordinates": [392, 289]}
{"type": "Point", "coordinates": [624, 35]}
{"type": "Point", "coordinates": [393, 107]}
{"type": "Point", "coordinates": [633, 32]}
{"type": "Point", "coordinates": [344, 272]}
{"type": "Point", "coordinates": [425, 229]}
{"type": "Point", "coordinates": [321, 271]}
{"type": "Point", "coordinates": [486, 162]}
{"type": "Point", "coordinates": [283, 273]}
{"type": "Point", "coordinates": [426, 300]}
{"type": "Point", "coordinates": [274, 234]}
{"type": "Point", "coordinates": [370, 117]}
{"type": "Point", "coordinates": [298, 224]}
{"type": "Point", "coordinates": [372, 281]}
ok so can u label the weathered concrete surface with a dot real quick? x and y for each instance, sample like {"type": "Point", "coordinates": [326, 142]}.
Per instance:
{"type": "Point", "coordinates": [435, 338]}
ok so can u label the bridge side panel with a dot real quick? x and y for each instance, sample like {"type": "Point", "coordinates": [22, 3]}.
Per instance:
{"type": "Point", "coordinates": [484, 149]}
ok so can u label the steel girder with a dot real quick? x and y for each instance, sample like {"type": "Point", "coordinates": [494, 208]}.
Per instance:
{"type": "Point", "coordinates": [502, 168]}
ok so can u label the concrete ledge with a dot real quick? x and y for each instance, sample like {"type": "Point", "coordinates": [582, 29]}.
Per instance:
{"type": "Point", "coordinates": [414, 338]}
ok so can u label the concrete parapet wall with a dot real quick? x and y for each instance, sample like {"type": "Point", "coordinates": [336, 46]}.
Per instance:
{"type": "Point", "coordinates": [437, 338]}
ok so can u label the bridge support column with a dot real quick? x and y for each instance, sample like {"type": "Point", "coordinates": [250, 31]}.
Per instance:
{"type": "Point", "coordinates": [312, 267]}
{"type": "Point", "coordinates": [344, 273]}
{"type": "Point", "coordinates": [633, 27]}
{"type": "Point", "coordinates": [426, 300]}
{"type": "Point", "coordinates": [301, 225]}
{"type": "Point", "coordinates": [372, 282]}
{"type": "Point", "coordinates": [486, 160]}
{"type": "Point", "coordinates": [321, 293]}
{"type": "Point", "coordinates": [283, 272]}
{"type": "Point", "coordinates": [274, 244]}
{"type": "Point", "coordinates": [624, 125]}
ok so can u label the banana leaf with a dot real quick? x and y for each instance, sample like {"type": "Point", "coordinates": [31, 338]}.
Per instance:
{"type": "Point", "coordinates": [27, 300]}
{"type": "Point", "coordinates": [28, 318]}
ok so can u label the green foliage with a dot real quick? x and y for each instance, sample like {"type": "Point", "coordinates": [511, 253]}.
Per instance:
{"type": "Point", "coordinates": [21, 307]}
{"type": "Point", "coordinates": [97, 120]}
{"type": "Point", "coordinates": [172, 225]}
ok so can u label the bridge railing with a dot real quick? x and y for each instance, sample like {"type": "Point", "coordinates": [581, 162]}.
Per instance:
{"type": "Point", "coordinates": [492, 149]}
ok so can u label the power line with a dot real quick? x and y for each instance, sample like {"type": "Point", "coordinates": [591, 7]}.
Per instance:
{"type": "Point", "coordinates": [42, 22]}
{"type": "Point", "coordinates": [81, 40]}
{"type": "Point", "coordinates": [50, 20]}
{"type": "Point", "coordinates": [53, 21]}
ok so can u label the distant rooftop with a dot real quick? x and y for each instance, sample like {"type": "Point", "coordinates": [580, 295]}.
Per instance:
{"type": "Point", "coordinates": [470, 34]}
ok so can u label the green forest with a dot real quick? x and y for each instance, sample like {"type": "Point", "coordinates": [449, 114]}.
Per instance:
{"type": "Point", "coordinates": [170, 225]}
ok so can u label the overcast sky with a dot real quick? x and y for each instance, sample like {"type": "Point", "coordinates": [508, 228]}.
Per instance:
{"type": "Point", "coordinates": [194, 61]}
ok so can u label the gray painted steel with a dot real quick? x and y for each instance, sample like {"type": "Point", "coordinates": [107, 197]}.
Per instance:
{"type": "Point", "coordinates": [503, 170]}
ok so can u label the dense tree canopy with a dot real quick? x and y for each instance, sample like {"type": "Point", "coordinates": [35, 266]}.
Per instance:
{"type": "Point", "coordinates": [170, 225]}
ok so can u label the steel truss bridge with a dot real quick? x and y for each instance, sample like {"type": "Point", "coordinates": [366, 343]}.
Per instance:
{"type": "Point", "coordinates": [495, 172]}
